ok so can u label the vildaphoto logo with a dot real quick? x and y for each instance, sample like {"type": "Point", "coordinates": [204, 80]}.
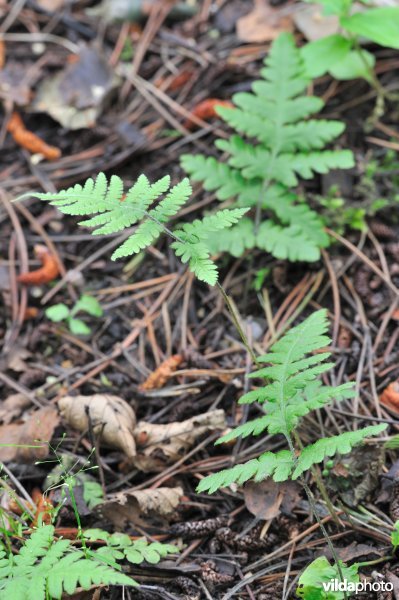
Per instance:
{"type": "Point", "coordinates": [335, 585]}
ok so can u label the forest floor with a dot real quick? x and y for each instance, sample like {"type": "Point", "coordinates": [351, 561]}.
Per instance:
{"type": "Point", "coordinates": [249, 542]}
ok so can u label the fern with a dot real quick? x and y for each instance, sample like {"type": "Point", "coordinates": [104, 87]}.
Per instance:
{"type": "Point", "coordinates": [110, 212]}
{"type": "Point", "coordinates": [288, 146]}
{"type": "Point", "coordinates": [292, 390]}
{"type": "Point", "coordinates": [45, 568]}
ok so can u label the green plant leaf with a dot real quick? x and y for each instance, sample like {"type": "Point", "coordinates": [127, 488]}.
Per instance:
{"type": "Point", "coordinates": [88, 304]}
{"type": "Point", "coordinates": [395, 535]}
{"type": "Point", "coordinates": [78, 327]}
{"type": "Point", "coordinates": [57, 312]}
{"type": "Point", "coordinates": [319, 572]}
{"type": "Point", "coordinates": [380, 25]}
{"type": "Point", "coordinates": [353, 66]}
{"type": "Point", "coordinates": [319, 56]}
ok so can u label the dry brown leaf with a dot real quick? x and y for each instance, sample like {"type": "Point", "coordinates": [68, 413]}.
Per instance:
{"type": "Point", "coordinates": [112, 419]}
{"type": "Point", "coordinates": [13, 406]}
{"type": "Point", "coordinates": [29, 439]}
{"type": "Point", "coordinates": [310, 21]}
{"type": "Point", "coordinates": [390, 397]}
{"type": "Point", "coordinates": [160, 376]}
{"type": "Point", "coordinates": [265, 499]}
{"type": "Point", "coordinates": [160, 445]}
{"type": "Point", "coordinates": [131, 506]}
{"type": "Point", "coordinates": [263, 24]}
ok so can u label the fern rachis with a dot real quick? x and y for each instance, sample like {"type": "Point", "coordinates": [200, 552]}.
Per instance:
{"type": "Point", "coordinates": [292, 390]}
{"type": "Point", "coordinates": [111, 212]}
{"type": "Point", "coordinates": [288, 145]}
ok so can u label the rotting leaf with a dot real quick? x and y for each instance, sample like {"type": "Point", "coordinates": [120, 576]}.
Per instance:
{"type": "Point", "coordinates": [160, 376]}
{"type": "Point", "coordinates": [206, 110]}
{"type": "Point", "coordinates": [160, 445]}
{"type": "Point", "coordinates": [76, 96]}
{"type": "Point", "coordinates": [266, 499]}
{"type": "Point", "coordinates": [131, 506]}
{"type": "Point", "coordinates": [263, 24]}
{"type": "Point", "coordinates": [112, 419]}
{"type": "Point", "coordinates": [13, 406]}
{"type": "Point", "coordinates": [28, 440]}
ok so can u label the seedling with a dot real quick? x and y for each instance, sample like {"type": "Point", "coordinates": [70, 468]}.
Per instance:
{"type": "Point", "coordinates": [61, 312]}
{"type": "Point", "coordinates": [341, 54]}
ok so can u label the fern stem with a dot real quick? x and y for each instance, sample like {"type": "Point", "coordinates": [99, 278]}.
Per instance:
{"type": "Point", "coordinates": [320, 485]}
{"type": "Point", "coordinates": [313, 508]}
{"type": "Point", "coordinates": [236, 321]}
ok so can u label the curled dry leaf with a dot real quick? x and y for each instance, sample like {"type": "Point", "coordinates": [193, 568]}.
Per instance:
{"type": "Point", "coordinates": [206, 110]}
{"type": "Point", "coordinates": [390, 397]}
{"type": "Point", "coordinates": [264, 23]}
{"type": "Point", "coordinates": [112, 419]}
{"type": "Point", "coordinates": [131, 506]}
{"type": "Point", "coordinates": [48, 272]}
{"type": "Point", "coordinates": [160, 376]}
{"type": "Point", "coordinates": [160, 445]}
{"type": "Point", "coordinates": [29, 140]}
{"type": "Point", "coordinates": [28, 441]}
{"type": "Point", "coordinates": [13, 406]}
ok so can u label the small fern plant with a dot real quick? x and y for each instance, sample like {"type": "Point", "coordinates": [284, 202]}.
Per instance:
{"type": "Point", "coordinates": [47, 568]}
{"type": "Point", "coordinates": [292, 391]}
{"type": "Point", "coordinates": [150, 206]}
{"type": "Point", "coordinates": [284, 145]}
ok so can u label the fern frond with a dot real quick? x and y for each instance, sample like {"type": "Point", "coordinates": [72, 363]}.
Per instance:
{"type": "Point", "coordinates": [46, 568]}
{"type": "Point", "coordinates": [114, 212]}
{"type": "Point", "coordinates": [291, 391]}
{"type": "Point", "coordinates": [342, 444]}
{"type": "Point", "coordinates": [287, 146]}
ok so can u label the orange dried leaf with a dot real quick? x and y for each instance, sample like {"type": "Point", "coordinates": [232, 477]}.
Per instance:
{"type": "Point", "coordinates": [48, 272]}
{"type": "Point", "coordinates": [390, 396]}
{"type": "Point", "coordinates": [206, 110]}
{"type": "Point", "coordinates": [160, 376]}
{"type": "Point", "coordinates": [44, 508]}
{"type": "Point", "coordinates": [29, 140]}
{"type": "Point", "coordinates": [2, 54]}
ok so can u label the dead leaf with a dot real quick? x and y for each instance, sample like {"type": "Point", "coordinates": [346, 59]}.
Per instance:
{"type": "Point", "coordinates": [265, 499]}
{"type": "Point", "coordinates": [112, 418]}
{"type": "Point", "coordinates": [263, 24]}
{"type": "Point", "coordinates": [29, 140]}
{"type": "Point", "coordinates": [13, 406]}
{"type": "Point", "coordinates": [131, 506]}
{"type": "Point", "coordinates": [390, 397]}
{"type": "Point", "coordinates": [160, 376]}
{"type": "Point", "coordinates": [76, 96]}
{"type": "Point", "coordinates": [310, 21]}
{"type": "Point", "coordinates": [29, 439]}
{"type": "Point", "coordinates": [161, 445]}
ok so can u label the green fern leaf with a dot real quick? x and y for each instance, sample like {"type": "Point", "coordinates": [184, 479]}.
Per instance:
{"type": "Point", "coordinates": [277, 465]}
{"type": "Point", "coordinates": [46, 568]}
{"type": "Point", "coordinates": [291, 391]}
{"type": "Point", "coordinates": [235, 240]}
{"type": "Point", "coordinates": [288, 145]}
{"type": "Point", "coordinates": [113, 212]}
{"type": "Point", "coordinates": [287, 242]}
{"type": "Point", "coordinates": [342, 444]}
{"type": "Point", "coordinates": [191, 244]}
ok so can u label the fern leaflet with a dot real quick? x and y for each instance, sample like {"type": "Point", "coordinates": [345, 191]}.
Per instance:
{"type": "Point", "coordinates": [288, 145]}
